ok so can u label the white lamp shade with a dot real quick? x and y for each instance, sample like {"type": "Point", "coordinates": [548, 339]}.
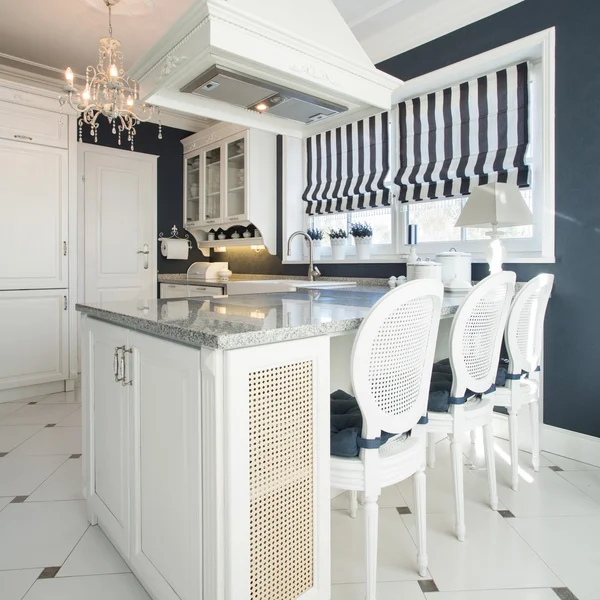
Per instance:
{"type": "Point", "coordinates": [495, 205]}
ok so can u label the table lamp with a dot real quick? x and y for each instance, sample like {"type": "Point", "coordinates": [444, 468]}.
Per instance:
{"type": "Point", "coordinates": [495, 205]}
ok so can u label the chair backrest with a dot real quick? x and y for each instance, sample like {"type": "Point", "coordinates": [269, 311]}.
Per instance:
{"type": "Point", "coordinates": [392, 357]}
{"type": "Point", "coordinates": [476, 334]}
{"type": "Point", "coordinates": [524, 330]}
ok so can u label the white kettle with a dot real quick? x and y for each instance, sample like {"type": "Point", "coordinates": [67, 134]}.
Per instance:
{"type": "Point", "coordinates": [456, 270]}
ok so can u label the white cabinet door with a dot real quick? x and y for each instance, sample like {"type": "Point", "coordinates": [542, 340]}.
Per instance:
{"type": "Point", "coordinates": [34, 216]}
{"type": "Point", "coordinates": [33, 125]}
{"type": "Point", "coordinates": [167, 531]}
{"type": "Point", "coordinates": [236, 177]}
{"type": "Point", "coordinates": [34, 342]}
{"type": "Point", "coordinates": [107, 432]}
{"type": "Point", "coordinates": [120, 225]}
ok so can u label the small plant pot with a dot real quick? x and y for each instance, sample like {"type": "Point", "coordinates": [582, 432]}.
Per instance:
{"type": "Point", "coordinates": [316, 249]}
{"type": "Point", "coordinates": [338, 249]}
{"type": "Point", "coordinates": [363, 248]}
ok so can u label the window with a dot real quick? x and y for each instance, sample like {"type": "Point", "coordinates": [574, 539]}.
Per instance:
{"type": "Point", "coordinates": [436, 218]}
{"type": "Point", "coordinates": [379, 219]}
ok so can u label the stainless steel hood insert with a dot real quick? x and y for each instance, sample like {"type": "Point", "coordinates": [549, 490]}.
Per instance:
{"type": "Point", "coordinates": [234, 88]}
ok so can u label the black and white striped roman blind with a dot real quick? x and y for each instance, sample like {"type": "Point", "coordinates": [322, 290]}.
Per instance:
{"type": "Point", "coordinates": [348, 168]}
{"type": "Point", "coordinates": [464, 136]}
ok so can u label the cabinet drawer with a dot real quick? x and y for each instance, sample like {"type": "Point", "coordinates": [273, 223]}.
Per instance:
{"type": "Point", "coordinates": [173, 290]}
{"type": "Point", "coordinates": [32, 125]}
{"type": "Point", "coordinates": [200, 290]}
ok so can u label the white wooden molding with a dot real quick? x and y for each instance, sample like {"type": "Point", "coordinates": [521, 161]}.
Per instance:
{"type": "Point", "coordinates": [577, 446]}
{"type": "Point", "coordinates": [427, 25]}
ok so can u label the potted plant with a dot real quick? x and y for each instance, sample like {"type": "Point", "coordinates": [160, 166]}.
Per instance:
{"type": "Point", "coordinates": [363, 236]}
{"type": "Point", "coordinates": [316, 235]}
{"type": "Point", "coordinates": [338, 239]}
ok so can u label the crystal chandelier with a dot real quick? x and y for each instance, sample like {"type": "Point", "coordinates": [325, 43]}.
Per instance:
{"type": "Point", "coordinates": [108, 92]}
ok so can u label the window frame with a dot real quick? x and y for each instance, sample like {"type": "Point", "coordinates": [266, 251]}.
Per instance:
{"type": "Point", "coordinates": [539, 50]}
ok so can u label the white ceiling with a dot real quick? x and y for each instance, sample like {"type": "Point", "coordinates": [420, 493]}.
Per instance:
{"type": "Point", "coordinates": [61, 33]}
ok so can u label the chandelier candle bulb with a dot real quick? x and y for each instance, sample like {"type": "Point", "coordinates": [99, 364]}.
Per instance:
{"type": "Point", "coordinates": [69, 76]}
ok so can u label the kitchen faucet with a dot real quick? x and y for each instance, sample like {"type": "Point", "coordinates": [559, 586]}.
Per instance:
{"type": "Point", "coordinates": [313, 271]}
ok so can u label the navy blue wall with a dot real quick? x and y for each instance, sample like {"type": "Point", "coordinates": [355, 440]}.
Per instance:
{"type": "Point", "coordinates": [571, 393]}
{"type": "Point", "coordinates": [169, 178]}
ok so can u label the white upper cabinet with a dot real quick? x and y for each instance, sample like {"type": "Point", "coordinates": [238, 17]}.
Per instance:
{"type": "Point", "coordinates": [34, 216]}
{"type": "Point", "coordinates": [33, 125]}
{"type": "Point", "coordinates": [230, 178]}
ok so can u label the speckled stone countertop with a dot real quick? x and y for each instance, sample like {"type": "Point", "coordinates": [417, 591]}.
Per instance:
{"type": "Point", "coordinates": [181, 278]}
{"type": "Point", "coordinates": [249, 320]}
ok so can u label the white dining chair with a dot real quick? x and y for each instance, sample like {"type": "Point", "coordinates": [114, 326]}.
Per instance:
{"type": "Point", "coordinates": [391, 364]}
{"type": "Point", "coordinates": [524, 342]}
{"type": "Point", "coordinates": [474, 345]}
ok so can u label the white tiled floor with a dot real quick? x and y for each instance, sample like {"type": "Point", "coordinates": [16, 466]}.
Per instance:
{"type": "Point", "coordinates": [546, 540]}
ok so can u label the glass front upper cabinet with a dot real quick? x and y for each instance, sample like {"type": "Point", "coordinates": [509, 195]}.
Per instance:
{"type": "Point", "coordinates": [235, 199]}
{"type": "Point", "coordinates": [192, 171]}
{"type": "Point", "coordinates": [212, 185]}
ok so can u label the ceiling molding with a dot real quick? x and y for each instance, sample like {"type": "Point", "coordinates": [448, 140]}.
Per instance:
{"type": "Point", "coordinates": [440, 19]}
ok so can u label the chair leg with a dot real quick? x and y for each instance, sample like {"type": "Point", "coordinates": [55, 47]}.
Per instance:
{"type": "Point", "coordinates": [353, 503]}
{"type": "Point", "coordinates": [490, 464]}
{"type": "Point", "coordinates": [419, 489]}
{"type": "Point", "coordinates": [534, 412]}
{"type": "Point", "coordinates": [430, 450]}
{"type": "Point", "coordinates": [371, 531]}
{"type": "Point", "coordinates": [473, 436]}
{"type": "Point", "coordinates": [513, 435]}
{"type": "Point", "coordinates": [459, 492]}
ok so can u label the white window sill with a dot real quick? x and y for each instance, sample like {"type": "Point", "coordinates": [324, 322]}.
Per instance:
{"type": "Point", "coordinates": [384, 259]}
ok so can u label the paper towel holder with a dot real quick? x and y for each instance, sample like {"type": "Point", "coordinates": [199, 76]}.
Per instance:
{"type": "Point", "coordinates": [175, 236]}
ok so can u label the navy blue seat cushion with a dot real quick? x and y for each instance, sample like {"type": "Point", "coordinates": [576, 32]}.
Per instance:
{"type": "Point", "coordinates": [346, 425]}
{"type": "Point", "coordinates": [441, 385]}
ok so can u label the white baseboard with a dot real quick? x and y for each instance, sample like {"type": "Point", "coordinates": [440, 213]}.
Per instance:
{"type": "Point", "coordinates": [578, 446]}
{"type": "Point", "coordinates": [30, 391]}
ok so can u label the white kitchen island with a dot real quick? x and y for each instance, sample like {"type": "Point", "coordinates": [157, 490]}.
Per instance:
{"type": "Point", "coordinates": [206, 426]}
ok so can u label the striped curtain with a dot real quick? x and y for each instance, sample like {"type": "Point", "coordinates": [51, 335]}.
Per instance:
{"type": "Point", "coordinates": [347, 168]}
{"type": "Point", "coordinates": [464, 136]}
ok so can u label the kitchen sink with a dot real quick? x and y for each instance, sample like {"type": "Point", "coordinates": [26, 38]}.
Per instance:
{"type": "Point", "coordinates": [272, 286]}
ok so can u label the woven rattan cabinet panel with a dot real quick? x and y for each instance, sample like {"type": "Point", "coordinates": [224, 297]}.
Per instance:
{"type": "Point", "coordinates": [281, 482]}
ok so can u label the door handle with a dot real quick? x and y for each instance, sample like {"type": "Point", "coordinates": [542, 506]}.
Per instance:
{"type": "Point", "coordinates": [145, 251]}
{"type": "Point", "coordinates": [117, 364]}
{"type": "Point", "coordinates": [124, 351]}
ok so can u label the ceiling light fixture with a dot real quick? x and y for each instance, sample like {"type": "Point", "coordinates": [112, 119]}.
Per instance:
{"type": "Point", "coordinates": [108, 92]}
{"type": "Point", "coordinates": [262, 106]}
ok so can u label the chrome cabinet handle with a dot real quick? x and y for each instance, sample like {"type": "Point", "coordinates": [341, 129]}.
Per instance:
{"type": "Point", "coordinates": [117, 364]}
{"type": "Point", "coordinates": [124, 381]}
{"type": "Point", "coordinates": [23, 137]}
{"type": "Point", "coordinates": [64, 248]}
{"type": "Point", "coordinates": [145, 251]}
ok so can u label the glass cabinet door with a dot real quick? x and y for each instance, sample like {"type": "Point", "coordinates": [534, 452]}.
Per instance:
{"type": "Point", "coordinates": [192, 204]}
{"type": "Point", "coordinates": [235, 204]}
{"type": "Point", "coordinates": [212, 184]}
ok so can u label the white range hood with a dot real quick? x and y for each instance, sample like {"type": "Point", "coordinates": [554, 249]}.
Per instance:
{"type": "Point", "coordinates": [295, 60]}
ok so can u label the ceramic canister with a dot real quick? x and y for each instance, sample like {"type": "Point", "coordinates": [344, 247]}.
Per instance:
{"type": "Point", "coordinates": [455, 265]}
{"type": "Point", "coordinates": [424, 269]}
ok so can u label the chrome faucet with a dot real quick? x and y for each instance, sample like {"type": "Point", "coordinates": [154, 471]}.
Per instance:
{"type": "Point", "coordinates": [313, 271]}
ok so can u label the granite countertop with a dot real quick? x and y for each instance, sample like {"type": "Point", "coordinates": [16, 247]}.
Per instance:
{"type": "Point", "coordinates": [248, 320]}
{"type": "Point", "coordinates": [181, 278]}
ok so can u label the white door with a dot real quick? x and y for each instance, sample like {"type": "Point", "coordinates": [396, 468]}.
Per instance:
{"type": "Point", "coordinates": [34, 216]}
{"type": "Point", "coordinates": [108, 432]}
{"type": "Point", "coordinates": [35, 337]}
{"type": "Point", "coordinates": [167, 529]}
{"type": "Point", "coordinates": [120, 225]}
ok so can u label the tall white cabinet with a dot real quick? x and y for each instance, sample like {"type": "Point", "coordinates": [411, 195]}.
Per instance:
{"type": "Point", "coordinates": [35, 298]}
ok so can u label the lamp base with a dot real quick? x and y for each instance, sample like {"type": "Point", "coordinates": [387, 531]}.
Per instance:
{"type": "Point", "coordinates": [495, 253]}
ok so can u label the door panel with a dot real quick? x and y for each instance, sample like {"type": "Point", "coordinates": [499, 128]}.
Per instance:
{"type": "Point", "coordinates": [120, 217]}
{"type": "Point", "coordinates": [167, 528]}
{"type": "Point", "coordinates": [34, 216]}
{"type": "Point", "coordinates": [35, 342]}
{"type": "Point", "coordinates": [110, 436]}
